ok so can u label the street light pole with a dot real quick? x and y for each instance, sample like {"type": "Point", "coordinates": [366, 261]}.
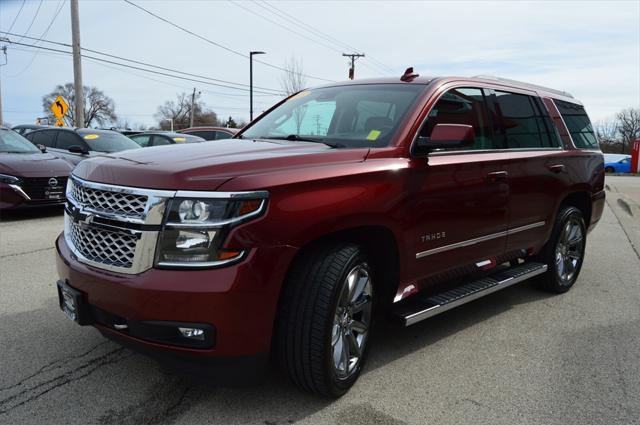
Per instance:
{"type": "Point", "coordinates": [251, 82]}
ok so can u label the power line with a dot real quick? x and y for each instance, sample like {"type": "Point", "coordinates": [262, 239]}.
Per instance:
{"type": "Point", "coordinates": [263, 90]}
{"type": "Point", "coordinates": [34, 18]}
{"type": "Point", "coordinates": [235, 52]}
{"type": "Point", "coordinates": [235, 3]}
{"type": "Point", "coordinates": [17, 14]}
{"type": "Point", "coordinates": [298, 22]}
{"type": "Point", "coordinates": [44, 34]}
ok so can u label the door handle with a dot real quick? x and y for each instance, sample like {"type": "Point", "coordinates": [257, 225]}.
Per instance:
{"type": "Point", "coordinates": [558, 168]}
{"type": "Point", "coordinates": [496, 176]}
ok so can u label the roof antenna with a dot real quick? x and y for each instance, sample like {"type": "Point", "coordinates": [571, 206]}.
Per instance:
{"type": "Point", "coordinates": [408, 75]}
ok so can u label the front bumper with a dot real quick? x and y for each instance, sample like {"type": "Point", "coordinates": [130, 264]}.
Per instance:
{"type": "Point", "coordinates": [10, 199]}
{"type": "Point", "coordinates": [238, 301]}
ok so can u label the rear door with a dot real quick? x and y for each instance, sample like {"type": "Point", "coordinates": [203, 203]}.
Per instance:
{"type": "Point", "coordinates": [460, 211]}
{"type": "Point", "coordinates": [535, 162]}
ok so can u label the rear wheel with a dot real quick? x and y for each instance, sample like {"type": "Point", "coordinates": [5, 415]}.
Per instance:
{"type": "Point", "coordinates": [324, 319]}
{"type": "Point", "coordinates": [564, 252]}
{"type": "Point", "coordinates": [609, 170]}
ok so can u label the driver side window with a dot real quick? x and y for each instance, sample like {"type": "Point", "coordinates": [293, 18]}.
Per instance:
{"type": "Point", "coordinates": [462, 106]}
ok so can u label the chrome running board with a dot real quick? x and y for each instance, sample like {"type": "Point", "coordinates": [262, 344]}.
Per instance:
{"type": "Point", "coordinates": [418, 308]}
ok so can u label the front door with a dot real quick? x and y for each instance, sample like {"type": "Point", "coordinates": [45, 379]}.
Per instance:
{"type": "Point", "coordinates": [459, 212]}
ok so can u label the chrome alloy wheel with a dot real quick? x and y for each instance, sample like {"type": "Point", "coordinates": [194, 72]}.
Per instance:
{"type": "Point", "coordinates": [569, 250]}
{"type": "Point", "coordinates": [351, 322]}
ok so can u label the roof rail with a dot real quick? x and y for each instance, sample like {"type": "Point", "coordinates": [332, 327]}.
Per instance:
{"type": "Point", "coordinates": [533, 86]}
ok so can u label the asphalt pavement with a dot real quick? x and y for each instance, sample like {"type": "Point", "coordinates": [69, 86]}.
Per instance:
{"type": "Point", "coordinates": [518, 356]}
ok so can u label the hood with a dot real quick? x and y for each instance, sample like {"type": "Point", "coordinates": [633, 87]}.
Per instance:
{"type": "Point", "coordinates": [35, 164]}
{"type": "Point", "coordinates": [207, 165]}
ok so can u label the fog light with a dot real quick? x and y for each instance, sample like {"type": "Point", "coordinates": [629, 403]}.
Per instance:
{"type": "Point", "coordinates": [192, 333]}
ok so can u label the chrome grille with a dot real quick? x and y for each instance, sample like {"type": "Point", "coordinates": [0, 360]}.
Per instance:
{"type": "Point", "coordinates": [111, 248]}
{"type": "Point", "coordinates": [126, 204]}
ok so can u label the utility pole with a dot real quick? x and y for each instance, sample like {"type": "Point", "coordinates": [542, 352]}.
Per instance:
{"type": "Point", "coordinates": [353, 56]}
{"type": "Point", "coordinates": [4, 51]}
{"type": "Point", "coordinates": [77, 64]}
{"type": "Point", "coordinates": [251, 82]}
{"type": "Point", "coordinates": [193, 102]}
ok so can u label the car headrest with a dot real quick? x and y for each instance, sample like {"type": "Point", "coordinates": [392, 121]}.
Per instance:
{"type": "Point", "coordinates": [377, 123]}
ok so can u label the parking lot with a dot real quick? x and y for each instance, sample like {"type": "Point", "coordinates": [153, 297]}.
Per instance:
{"type": "Point", "coordinates": [519, 356]}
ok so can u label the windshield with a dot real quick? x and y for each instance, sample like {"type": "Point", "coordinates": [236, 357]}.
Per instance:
{"type": "Point", "coordinates": [12, 142]}
{"type": "Point", "coordinates": [344, 116]}
{"type": "Point", "coordinates": [107, 141]}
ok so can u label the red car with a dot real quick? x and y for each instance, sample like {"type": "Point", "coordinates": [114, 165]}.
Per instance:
{"type": "Point", "coordinates": [29, 177]}
{"type": "Point", "coordinates": [408, 196]}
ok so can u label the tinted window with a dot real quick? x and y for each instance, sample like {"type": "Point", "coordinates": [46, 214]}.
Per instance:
{"type": "Point", "coordinates": [205, 134]}
{"type": "Point", "coordinates": [333, 115]}
{"type": "Point", "coordinates": [522, 122]}
{"type": "Point", "coordinates": [160, 141]}
{"type": "Point", "coordinates": [46, 138]}
{"type": "Point", "coordinates": [106, 141]}
{"type": "Point", "coordinates": [462, 106]}
{"type": "Point", "coordinates": [11, 142]}
{"type": "Point", "coordinates": [578, 124]}
{"type": "Point", "coordinates": [222, 135]}
{"type": "Point", "coordinates": [141, 139]}
{"type": "Point", "coordinates": [66, 139]}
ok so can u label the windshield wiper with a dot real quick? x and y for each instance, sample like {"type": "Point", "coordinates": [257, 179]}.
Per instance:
{"type": "Point", "coordinates": [298, 138]}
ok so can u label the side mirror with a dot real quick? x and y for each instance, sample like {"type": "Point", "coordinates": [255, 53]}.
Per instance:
{"type": "Point", "coordinates": [78, 149]}
{"type": "Point", "coordinates": [445, 136]}
{"type": "Point", "coordinates": [42, 148]}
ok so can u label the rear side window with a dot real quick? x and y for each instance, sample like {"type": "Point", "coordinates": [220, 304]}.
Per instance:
{"type": "Point", "coordinates": [222, 135]}
{"type": "Point", "coordinates": [205, 134]}
{"type": "Point", "coordinates": [578, 124]}
{"type": "Point", "coordinates": [142, 139]}
{"type": "Point", "coordinates": [463, 106]}
{"type": "Point", "coordinates": [160, 141]}
{"type": "Point", "coordinates": [66, 139]}
{"type": "Point", "coordinates": [523, 123]}
{"type": "Point", "coordinates": [46, 138]}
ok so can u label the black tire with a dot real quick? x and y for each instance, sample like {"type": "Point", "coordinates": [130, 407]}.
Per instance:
{"type": "Point", "coordinates": [563, 259]}
{"type": "Point", "coordinates": [306, 322]}
{"type": "Point", "coordinates": [609, 170]}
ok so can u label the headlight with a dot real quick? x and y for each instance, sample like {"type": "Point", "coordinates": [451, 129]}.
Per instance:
{"type": "Point", "coordinates": [4, 178]}
{"type": "Point", "coordinates": [195, 229]}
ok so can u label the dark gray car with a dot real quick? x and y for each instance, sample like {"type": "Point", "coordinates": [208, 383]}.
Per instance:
{"type": "Point", "coordinates": [75, 145]}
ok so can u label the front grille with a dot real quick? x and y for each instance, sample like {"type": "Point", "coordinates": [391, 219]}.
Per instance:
{"type": "Point", "coordinates": [120, 203]}
{"type": "Point", "coordinates": [36, 187]}
{"type": "Point", "coordinates": [106, 247]}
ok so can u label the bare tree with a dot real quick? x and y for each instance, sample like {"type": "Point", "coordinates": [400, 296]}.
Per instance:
{"type": "Point", "coordinates": [608, 135]}
{"type": "Point", "coordinates": [629, 127]}
{"type": "Point", "coordinates": [293, 79]}
{"type": "Point", "coordinates": [180, 111]}
{"type": "Point", "coordinates": [98, 107]}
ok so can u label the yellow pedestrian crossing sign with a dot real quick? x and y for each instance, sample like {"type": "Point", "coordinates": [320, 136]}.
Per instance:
{"type": "Point", "coordinates": [59, 108]}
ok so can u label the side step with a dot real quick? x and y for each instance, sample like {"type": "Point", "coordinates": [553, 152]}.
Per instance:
{"type": "Point", "coordinates": [418, 308]}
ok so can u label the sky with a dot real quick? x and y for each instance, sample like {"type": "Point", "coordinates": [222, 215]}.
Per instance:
{"type": "Point", "coordinates": [590, 49]}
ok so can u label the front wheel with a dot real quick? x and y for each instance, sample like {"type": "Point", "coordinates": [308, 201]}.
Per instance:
{"type": "Point", "coordinates": [609, 170]}
{"type": "Point", "coordinates": [564, 252]}
{"type": "Point", "coordinates": [324, 319]}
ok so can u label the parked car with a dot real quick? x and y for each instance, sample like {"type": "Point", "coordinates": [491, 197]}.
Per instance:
{"type": "Point", "coordinates": [614, 163]}
{"type": "Point", "coordinates": [23, 129]}
{"type": "Point", "coordinates": [161, 138]}
{"type": "Point", "coordinates": [211, 133]}
{"type": "Point", "coordinates": [409, 196]}
{"type": "Point", "coordinates": [77, 144]}
{"type": "Point", "coordinates": [29, 177]}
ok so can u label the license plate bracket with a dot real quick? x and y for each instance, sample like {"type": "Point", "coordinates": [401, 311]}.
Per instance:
{"type": "Point", "coordinates": [72, 304]}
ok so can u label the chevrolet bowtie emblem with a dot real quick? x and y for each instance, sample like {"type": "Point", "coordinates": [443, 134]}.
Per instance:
{"type": "Point", "coordinates": [85, 222]}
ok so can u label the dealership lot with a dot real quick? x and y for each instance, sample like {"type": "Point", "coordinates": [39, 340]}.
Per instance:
{"type": "Point", "coordinates": [517, 356]}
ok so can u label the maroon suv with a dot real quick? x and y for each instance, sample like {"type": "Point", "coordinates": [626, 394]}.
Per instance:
{"type": "Point", "coordinates": [407, 196]}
